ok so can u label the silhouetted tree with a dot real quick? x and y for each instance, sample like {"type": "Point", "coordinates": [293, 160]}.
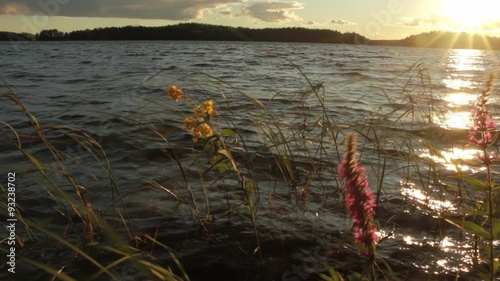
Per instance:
{"type": "Point", "coordinates": [12, 36]}
{"type": "Point", "coordinates": [50, 34]}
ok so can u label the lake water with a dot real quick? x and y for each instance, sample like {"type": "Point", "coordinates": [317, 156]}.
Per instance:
{"type": "Point", "coordinates": [115, 92]}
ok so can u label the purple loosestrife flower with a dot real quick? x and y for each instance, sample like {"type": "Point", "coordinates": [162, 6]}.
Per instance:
{"type": "Point", "coordinates": [482, 123]}
{"type": "Point", "coordinates": [359, 199]}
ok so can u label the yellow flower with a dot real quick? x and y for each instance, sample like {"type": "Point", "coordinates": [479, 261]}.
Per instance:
{"type": "Point", "coordinates": [209, 109]}
{"type": "Point", "coordinates": [207, 131]}
{"type": "Point", "coordinates": [196, 134]}
{"type": "Point", "coordinates": [199, 130]}
{"type": "Point", "coordinates": [190, 123]}
{"type": "Point", "coordinates": [198, 111]}
{"type": "Point", "coordinates": [197, 123]}
{"type": "Point", "coordinates": [175, 93]}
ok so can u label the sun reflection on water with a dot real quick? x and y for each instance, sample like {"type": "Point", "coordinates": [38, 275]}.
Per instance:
{"type": "Point", "coordinates": [424, 202]}
{"type": "Point", "coordinates": [449, 149]}
{"type": "Point", "coordinates": [455, 121]}
{"type": "Point", "coordinates": [455, 159]}
{"type": "Point", "coordinates": [457, 83]}
{"type": "Point", "coordinates": [455, 255]}
{"type": "Point", "coordinates": [463, 60]}
{"type": "Point", "coordinates": [459, 99]}
{"type": "Point", "coordinates": [455, 117]}
{"type": "Point", "coordinates": [462, 66]}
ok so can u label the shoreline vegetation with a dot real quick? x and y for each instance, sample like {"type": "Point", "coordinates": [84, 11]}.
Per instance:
{"type": "Point", "coordinates": [224, 209]}
{"type": "Point", "coordinates": [207, 32]}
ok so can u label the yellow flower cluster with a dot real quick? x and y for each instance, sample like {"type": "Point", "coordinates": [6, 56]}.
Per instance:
{"type": "Point", "coordinates": [209, 108]}
{"type": "Point", "coordinates": [198, 124]}
{"type": "Point", "coordinates": [199, 127]}
{"type": "Point", "coordinates": [175, 93]}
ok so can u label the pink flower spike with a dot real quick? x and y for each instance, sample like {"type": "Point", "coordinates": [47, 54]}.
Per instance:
{"type": "Point", "coordinates": [493, 155]}
{"type": "Point", "coordinates": [490, 124]}
{"type": "Point", "coordinates": [482, 125]}
{"type": "Point", "coordinates": [359, 199]}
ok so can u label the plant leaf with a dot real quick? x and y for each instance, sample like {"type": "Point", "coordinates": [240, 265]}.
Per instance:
{"type": "Point", "coordinates": [35, 162]}
{"type": "Point", "coordinates": [476, 183]}
{"type": "Point", "coordinates": [228, 133]}
{"type": "Point", "coordinates": [496, 228]}
{"type": "Point", "coordinates": [476, 229]}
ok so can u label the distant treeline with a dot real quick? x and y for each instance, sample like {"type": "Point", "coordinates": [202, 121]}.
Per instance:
{"type": "Point", "coordinates": [11, 36]}
{"type": "Point", "coordinates": [441, 39]}
{"type": "Point", "coordinates": [206, 32]}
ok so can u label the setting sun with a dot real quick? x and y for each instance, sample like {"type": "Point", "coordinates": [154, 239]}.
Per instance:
{"type": "Point", "coordinates": [470, 15]}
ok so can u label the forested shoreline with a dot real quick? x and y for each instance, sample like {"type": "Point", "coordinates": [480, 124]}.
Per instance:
{"type": "Point", "coordinates": [195, 32]}
{"type": "Point", "coordinates": [206, 32]}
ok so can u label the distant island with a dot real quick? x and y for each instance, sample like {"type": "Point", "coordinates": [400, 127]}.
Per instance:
{"type": "Point", "coordinates": [207, 32]}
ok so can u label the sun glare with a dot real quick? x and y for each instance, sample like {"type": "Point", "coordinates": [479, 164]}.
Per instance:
{"type": "Point", "coordinates": [470, 15]}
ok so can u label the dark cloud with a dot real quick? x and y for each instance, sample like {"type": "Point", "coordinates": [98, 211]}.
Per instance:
{"type": "Point", "coordinates": [49, 8]}
{"type": "Point", "coordinates": [273, 11]}
{"type": "Point", "coordinates": [149, 9]}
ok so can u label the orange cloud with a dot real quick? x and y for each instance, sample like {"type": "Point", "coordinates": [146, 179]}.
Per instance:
{"type": "Point", "coordinates": [15, 9]}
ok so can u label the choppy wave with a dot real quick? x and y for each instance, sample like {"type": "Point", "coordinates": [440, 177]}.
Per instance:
{"type": "Point", "coordinates": [118, 98]}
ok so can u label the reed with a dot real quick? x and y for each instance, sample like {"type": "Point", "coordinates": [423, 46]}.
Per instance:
{"type": "Point", "coordinates": [84, 233]}
{"type": "Point", "coordinates": [255, 157]}
{"type": "Point", "coordinates": [475, 200]}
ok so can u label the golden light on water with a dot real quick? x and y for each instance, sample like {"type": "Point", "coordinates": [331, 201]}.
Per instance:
{"type": "Point", "coordinates": [457, 253]}
{"type": "Point", "coordinates": [425, 202]}
{"type": "Point", "coordinates": [454, 159]}
{"type": "Point", "coordinates": [451, 150]}
{"type": "Point", "coordinates": [445, 146]}
{"type": "Point", "coordinates": [458, 120]}
{"type": "Point", "coordinates": [409, 240]}
{"type": "Point", "coordinates": [461, 65]}
{"type": "Point", "coordinates": [460, 155]}
{"type": "Point", "coordinates": [464, 60]}
{"type": "Point", "coordinates": [454, 120]}
{"type": "Point", "coordinates": [459, 99]}
{"type": "Point", "coordinates": [457, 83]}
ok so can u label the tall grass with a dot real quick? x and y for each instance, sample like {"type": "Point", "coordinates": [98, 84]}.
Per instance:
{"type": "Point", "coordinates": [243, 161]}
{"type": "Point", "coordinates": [84, 233]}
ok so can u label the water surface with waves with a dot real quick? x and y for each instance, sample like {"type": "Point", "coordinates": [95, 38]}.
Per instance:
{"type": "Point", "coordinates": [115, 92]}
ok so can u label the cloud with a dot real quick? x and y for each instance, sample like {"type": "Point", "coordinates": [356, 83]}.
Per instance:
{"type": "Point", "coordinates": [273, 11]}
{"type": "Point", "coordinates": [433, 21]}
{"type": "Point", "coordinates": [226, 13]}
{"type": "Point", "coordinates": [148, 9]}
{"type": "Point", "coordinates": [14, 9]}
{"type": "Point", "coordinates": [340, 22]}
{"type": "Point", "coordinates": [414, 22]}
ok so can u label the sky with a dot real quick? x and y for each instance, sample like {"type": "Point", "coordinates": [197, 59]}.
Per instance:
{"type": "Point", "coordinates": [375, 19]}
